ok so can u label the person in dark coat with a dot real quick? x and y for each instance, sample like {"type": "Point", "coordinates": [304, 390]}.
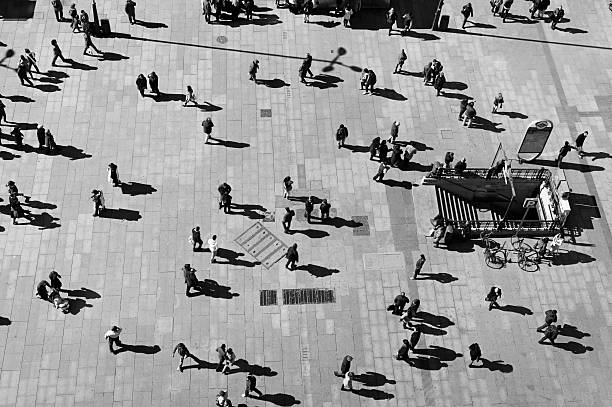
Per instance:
{"type": "Point", "coordinates": [439, 83]}
{"type": "Point", "coordinates": [410, 313]}
{"type": "Point", "coordinates": [227, 203]}
{"type": "Point", "coordinates": [196, 238]}
{"type": "Point", "coordinates": [325, 207]}
{"type": "Point", "coordinates": [396, 156]}
{"type": "Point", "coordinates": [470, 114]}
{"type": "Point", "coordinates": [253, 71]}
{"type": "Point", "coordinates": [154, 82]}
{"type": "Point", "coordinates": [54, 278]}
{"type": "Point", "coordinates": [551, 332]}
{"type": "Point", "coordinates": [191, 281]}
{"type": "Point", "coordinates": [467, 11]}
{"type": "Point", "coordinates": [383, 150]}
{"type": "Point", "coordinates": [292, 257]}
{"type": "Point", "coordinates": [249, 5]}
{"type": "Point", "coordinates": [307, 64]}
{"type": "Point", "coordinates": [41, 290]}
{"type": "Point", "coordinates": [460, 166]}
{"type": "Point", "coordinates": [113, 174]}
{"type": "Point", "coordinates": [566, 148]}
{"type": "Point", "coordinates": [394, 133]}
{"type": "Point", "coordinates": [496, 169]}
{"type": "Point", "coordinates": [371, 82]}
{"type": "Point", "coordinates": [2, 112]}
{"type": "Point", "coordinates": [58, 9]}
{"type": "Point", "coordinates": [183, 353]}
{"type": "Point", "coordinates": [287, 218]}
{"type": "Point", "coordinates": [400, 62]}
{"type": "Point", "coordinates": [17, 136]}
{"type": "Point", "coordinates": [40, 135]}
{"type": "Point", "coordinates": [448, 158]}
{"type": "Point", "coordinates": [462, 107]}
{"type": "Point", "coordinates": [391, 19]}
{"type": "Point", "coordinates": [550, 317]}
{"type": "Point", "coordinates": [141, 84]}
{"type": "Point", "coordinates": [506, 9]}
{"type": "Point", "coordinates": [130, 10]}
{"type": "Point", "coordinates": [475, 354]}
{"type": "Point", "coordinates": [580, 142]}
{"type": "Point", "coordinates": [308, 208]}
{"type": "Point", "coordinates": [341, 135]}
{"type": "Point", "coordinates": [382, 170]}
{"type": "Point", "coordinates": [414, 338]}
{"type": "Point", "coordinates": [492, 297]}
{"type": "Point", "coordinates": [50, 141]}
{"type": "Point", "coordinates": [374, 146]}
{"type": "Point", "coordinates": [345, 366]}
{"type": "Point", "coordinates": [207, 126]}
{"type": "Point", "coordinates": [402, 353]}
{"type": "Point", "coordinates": [251, 386]}
{"type": "Point", "coordinates": [223, 189]}
{"type": "Point", "coordinates": [222, 355]}
{"type": "Point", "coordinates": [407, 20]}
{"type": "Point", "coordinates": [399, 302]}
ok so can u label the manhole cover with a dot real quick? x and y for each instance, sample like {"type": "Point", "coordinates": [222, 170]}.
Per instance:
{"type": "Point", "coordinates": [266, 112]}
{"type": "Point", "coordinates": [267, 297]}
{"type": "Point", "coordinates": [301, 296]}
{"type": "Point", "coordinates": [222, 39]}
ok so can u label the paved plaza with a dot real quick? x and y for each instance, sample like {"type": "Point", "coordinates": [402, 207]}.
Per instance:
{"type": "Point", "coordinates": [125, 268]}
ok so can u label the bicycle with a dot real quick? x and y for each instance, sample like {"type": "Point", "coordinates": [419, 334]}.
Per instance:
{"type": "Point", "coordinates": [496, 256]}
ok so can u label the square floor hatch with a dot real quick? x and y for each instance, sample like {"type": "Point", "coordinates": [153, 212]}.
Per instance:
{"type": "Point", "coordinates": [268, 297]}
{"type": "Point", "coordinates": [301, 296]}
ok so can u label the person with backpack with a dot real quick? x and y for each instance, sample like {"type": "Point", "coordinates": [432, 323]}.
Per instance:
{"type": "Point", "coordinates": [391, 19]}
{"type": "Point", "coordinates": [556, 17]}
{"type": "Point", "coordinates": [494, 294]}
{"type": "Point", "coordinates": [341, 135]}
{"type": "Point", "coordinates": [550, 317]}
{"type": "Point", "coordinates": [475, 354]}
{"type": "Point", "coordinates": [183, 353]}
{"type": "Point", "coordinates": [58, 9]}
{"type": "Point", "coordinates": [467, 11]}
{"type": "Point", "coordinates": [400, 62]}
{"type": "Point", "coordinates": [551, 332]}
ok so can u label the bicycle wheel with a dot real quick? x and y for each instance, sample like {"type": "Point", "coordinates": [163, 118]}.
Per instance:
{"type": "Point", "coordinates": [495, 259]}
{"type": "Point", "coordinates": [527, 260]}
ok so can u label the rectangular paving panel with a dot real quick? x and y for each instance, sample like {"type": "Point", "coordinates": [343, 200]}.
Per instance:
{"type": "Point", "coordinates": [364, 227]}
{"type": "Point", "coordinates": [260, 243]}
{"type": "Point", "coordinates": [383, 261]}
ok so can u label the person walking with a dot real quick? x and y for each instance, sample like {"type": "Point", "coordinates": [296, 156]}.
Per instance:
{"type": "Point", "coordinates": [374, 146]}
{"type": "Point", "coordinates": [394, 132]}
{"type": "Point", "coordinates": [400, 62]}
{"type": "Point", "coordinates": [494, 294]}
{"type": "Point", "coordinates": [307, 10]}
{"type": "Point", "coordinates": [307, 64]}
{"type": "Point", "coordinates": [345, 366]}
{"type": "Point", "coordinates": [251, 386]}
{"type": "Point", "coordinates": [308, 208]}
{"type": "Point", "coordinates": [410, 313]}
{"type": "Point", "coordinates": [364, 79]}
{"type": "Point", "coordinates": [391, 19]}
{"type": "Point", "coordinates": [221, 354]}
{"type": "Point", "coordinates": [439, 83]}
{"type": "Point", "coordinates": [98, 199]}
{"type": "Point", "coordinates": [130, 10]}
{"type": "Point", "coordinates": [348, 13]}
{"type": "Point", "coordinates": [414, 338]}
{"type": "Point", "coordinates": [22, 73]}
{"type": "Point", "coordinates": [498, 102]}
{"type": "Point", "coordinates": [50, 142]}
{"type": "Point", "coordinates": [462, 108]}
{"type": "Point", "coordinates": [382, 170]}
{"type": "Point", "coordinates": [253, 71]}
{"type": "Point", "coordinates": [408, 154]}
{"type": "Point", "coordinates": [58, 9]}
{"type": "Point", "coordinates": [292, 257]}
{"type": "Point", "coordinates": [206, 10]}
{"type": "Point", "coordinates": [556, 17]}
{"type": "Point", "coordinates": [207, 126]}
{"type": "Point", "coordinates": [506, 9]}
{"type": "Point", "coordinates": [495, 6]}
{"type": "Point", "coordinates": [40, 135]}
{"type": "Point", "coordinates": [191, 281]}
{"type": "Point", "coordinates": [396, 156]}
{"type": "Point", "coordinates": [112, 336]}
{"type": "Point", "coordinates": [550, 317]}
{"type": "Point", "coordinates": [183, 353]}
{"type": "Point", "coordinates": [399, 302]}
{"type": "Point", "coordinates": [3, 112]}
{"type": "Point", "coordinates": [141, 84]}
{"type": "Point", "coordinates": [230, 359]}
{"type": "Point", "coordinates": [89, 44]}
{"type": "Point", "coordinates": [579, 142]}
{"type": "Point", "coordinates": [475, 354]}
{"type": "Point", "coordinates": [154, 82]}
{"type": "Point", "coordinates": [41, 290]}
{"type": "Point", "coordinates": [223, 189]}
{"type": "Point", "coordinates": [196, 238]}
{"type": "Point", "coordinates": [74, 18]}
{"type": "Point", "coordinates": [325, 208]}
{"type": "Point", "coordinates": [347, 382]}
{"type": "Point", "coordinates": [407, 20]}
{"type": "Point", "coordinates": [566, 148]}
{"type": "Point", "coordinates": [17, 136]}
{"type": "Point", "coordinates": [222, 400]}
{"type": "Point", "coordinates": [249, 5]}
{"type": "Point", "coordinates": [226, 202]}
{"type": "Point", "coordinates": [551, 332]}
{"type": "Point", "coordinates": [341, 135]}
{"type": "Point", "coordinates": [467, 11]}
{"type": "Point", "coordinates": [470, 113]}
{"type": "Point", "coordinates": [448, 158]}
{"type": "Point", "coordinates": [370, 83]}
{"type": "Point", "coordinates": [419, 266]}
{"type": "Point", "coordinates": [113, 174]}
{"type": "Point", "coordinates": [402, 353]}
{"type": "Point", "coordinates": [287, 187]}
{"type": "Point", "coordinates": [287, 218]}
{"type": "Point", "coordinates": [190, 97]}
{"type": "Point", "coordinates": [213, 246]}
{"type": "Point", "coordinates": [54, 278]}
{"type": "Point", "coordinates": [31, 58]}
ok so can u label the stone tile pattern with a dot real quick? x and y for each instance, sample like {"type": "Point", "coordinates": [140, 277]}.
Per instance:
{"type": "Point", "coordinates": [48, 358]}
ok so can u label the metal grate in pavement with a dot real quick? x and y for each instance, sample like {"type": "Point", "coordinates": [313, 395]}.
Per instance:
{"type": "Point", "coordinates": [266, 112]}
{"type": "Point", "coordinates": [267, 297]}
{"type": "Point", "coordinates": [260, 243]}
{"type": "Point", "coordinates": [222, 39]}
{"type": "Point", "coordinates": [299, 296]}
{"type": "Point", "coordinates": [364, 228]}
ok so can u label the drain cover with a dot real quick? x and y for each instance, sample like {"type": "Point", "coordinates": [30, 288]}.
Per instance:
{"type": "Point", "coordinates": [301, 296]}
{"type": "Point", "coordinates": [267, 297]}
{"type": "Point", "coordinates": [266, 112]}
{"type": "Point", "coordinates": [363, 228]}
{"type": "Point", "coordinates": [222, 39]}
